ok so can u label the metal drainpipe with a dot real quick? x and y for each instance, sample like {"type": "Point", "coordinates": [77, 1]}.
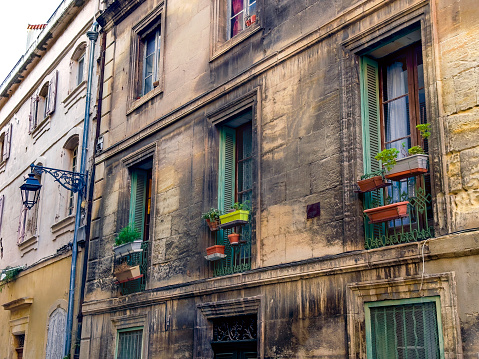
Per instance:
{"type": "Point", "coordinates": [92, 36]}
{"type": "Point", "coordinates": [90, 191]}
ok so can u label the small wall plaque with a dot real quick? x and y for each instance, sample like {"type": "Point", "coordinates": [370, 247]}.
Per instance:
{"type": "Point", "coordinates": [313, 210]}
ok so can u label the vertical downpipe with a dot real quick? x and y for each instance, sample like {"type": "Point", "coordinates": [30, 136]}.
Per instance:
{"type": "Point", "coordinates": [92, 36]}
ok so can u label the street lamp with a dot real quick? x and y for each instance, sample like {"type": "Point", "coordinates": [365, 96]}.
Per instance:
{"type": "Point", "coordinates": [30, 191]}
{"type": "Point", "coordinates": [72, 181]}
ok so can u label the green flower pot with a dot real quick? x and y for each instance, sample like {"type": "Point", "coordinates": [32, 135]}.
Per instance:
{"type": "Point", "coordinates": [238, 215]}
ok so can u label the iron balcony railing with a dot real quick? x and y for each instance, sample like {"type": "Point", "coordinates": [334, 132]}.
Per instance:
{"type": "Point", "coordinates": [238, 257]}
{"type": "Point", "coordinates": [134, 259]}
{"type": "Point", "coordinates": [416, 226]}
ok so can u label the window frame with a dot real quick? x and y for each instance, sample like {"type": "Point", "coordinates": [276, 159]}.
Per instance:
{"type": "Point", "coordinates": [153, 21]}
{"type": "Point", "coordinates": [220, 40]}
{"type": "Point", "coordinates": [131, 329]}
{"type": "Point", "coordinates": [412, 93]}
{"type": "Point", "coordinates": [390, 303]}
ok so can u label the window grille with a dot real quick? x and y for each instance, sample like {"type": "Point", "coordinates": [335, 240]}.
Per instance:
{"type": "Point", "coordinates": [129, 344]}
{"type": "Point", "coordinates": [407, 331]}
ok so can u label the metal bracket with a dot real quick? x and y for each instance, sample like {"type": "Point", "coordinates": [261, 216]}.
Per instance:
{"type": "Point", "coordinates": [72, 181]}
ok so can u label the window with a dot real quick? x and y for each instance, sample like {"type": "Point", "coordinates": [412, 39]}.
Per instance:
{"type": "Point", "coordinates": [233, 21]}
{"type": "Point", "coordinates": [235, 184]}
{"type": "Point", "coordinates": [129, 343]}
{"type": "Point", "coordinates": [42, 104]}
{"type": "Point", "coordinates": [80, 65]}
{"type": "Point", "coordinates": [393, 104]}
{"type": "Point", "coordinates": [151, 60]}
{"type": "Point", "coordinates": [242, 14]}
{"type": "Point", "coordinates": [71, 200]}
{"type": "Point", "coordinates": [5, 142]}
{"type": "Point", "coordinates": [71, 156]}
{"type": "Point", "coordinates": [19, 343]}
{"type": "Point", "coordinates": [77, 66]}
{"type": "Point", "coordinates": [55, 334]}
{"type": "Point", "coordinates": [139, 218]}
{"type": "Point", "coordinates": [140, 198]}
{"type": "Point", "coordinates": [146, 66]}
{"type": "Point", "coordinates": [404, 329]}
{"type": "Point", "coordinates": [235, 337]}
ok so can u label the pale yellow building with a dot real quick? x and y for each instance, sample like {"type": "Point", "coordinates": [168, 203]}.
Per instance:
{"type": "Point", "coordinates": [42, 107]}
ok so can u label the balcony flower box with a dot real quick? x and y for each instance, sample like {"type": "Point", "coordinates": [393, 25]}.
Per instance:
{"type": "Point", "coordinates": [128, 248]}
{"type": "Point", "coordinates": [216, 252]}
{"type": "Point", "coordinates": [369, 184]}
{"type": "Point", "coordinates": [124, 272]}
{"type": "Point", "coordinates": [387, 213]}
{"type": "Point", "coordinates": [238, 217]}
{"type": "Point", "coordinates": [409, 166]}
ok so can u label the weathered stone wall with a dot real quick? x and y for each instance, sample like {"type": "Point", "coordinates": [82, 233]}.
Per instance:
{"type": "Point", "coordinates": [302, 71]}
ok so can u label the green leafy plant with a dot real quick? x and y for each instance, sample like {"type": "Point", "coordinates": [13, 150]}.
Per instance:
{"type": "Point", "coordinates": [424, 130]}
{"type": "Point", "coordinates": [9, 275]}
{"type": "Point", "coordinates": [388, 157]}
{"type": "Point", "coordinates": [127, 235]}
{"type": "Point", "coordinates": [240, 206]}
{"type": "Point", "coordinates": [416, 150]}
{"type": "Point", "coordinates": [213, 214]}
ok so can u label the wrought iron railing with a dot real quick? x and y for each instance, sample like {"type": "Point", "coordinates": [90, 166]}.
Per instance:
{"type": "Point", "coordinates": [238, 257]}
{"type": "Point", "coordinates": [416, 226]}
{"type": "Point", "coordinates": [134, 259]}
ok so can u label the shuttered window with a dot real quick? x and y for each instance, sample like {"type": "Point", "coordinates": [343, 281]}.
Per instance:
{"type": "Point", "coordinates": [370, 114]}
{"type": "Point", "coordinates": [410, 330]}
{"type": "Point", "coordinates": [138, 197]}
{"type": "Point", "coordinates": [129, 343]}
{"type": "Point", "coordinates": [235, 184]}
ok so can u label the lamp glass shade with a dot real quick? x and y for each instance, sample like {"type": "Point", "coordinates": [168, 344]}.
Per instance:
{"type": "Point", "coordinates": [30, 191]}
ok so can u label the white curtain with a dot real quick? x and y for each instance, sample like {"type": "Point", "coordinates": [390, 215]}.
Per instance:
{"type": "Point", "coordinates": [397, 110]}
{"type": "Point", "coordinates": [397, 127]}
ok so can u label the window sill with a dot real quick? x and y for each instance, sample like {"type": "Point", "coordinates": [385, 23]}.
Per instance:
{"type": "Point", "coordinates": [143, 99]}
{"type": "Point", "coordinates": [74, 96]}
{"type": "Point", "coordinates": [63, 226]}
{"type": "Point", "coordinates": [220, 49]}
{"type": "Point", "coordinates": [41, 128]}
{"type": "Point", "coordinates": [28, 244]}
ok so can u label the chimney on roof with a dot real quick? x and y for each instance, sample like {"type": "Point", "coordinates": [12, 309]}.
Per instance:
{"type": "Point", "coordinates": [32, 33]}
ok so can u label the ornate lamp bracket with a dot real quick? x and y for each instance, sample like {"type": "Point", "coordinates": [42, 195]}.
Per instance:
{"type": "Point", "coordinates": [72, 181]}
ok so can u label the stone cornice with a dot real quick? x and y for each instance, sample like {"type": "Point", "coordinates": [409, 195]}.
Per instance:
{"type": "Point", "coordinates": [454, 245]}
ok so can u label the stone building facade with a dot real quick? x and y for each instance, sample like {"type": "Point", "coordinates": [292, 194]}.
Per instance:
{"type": "Point", "coordinates": [42, 107]}
{"type": "Point", "coordinates": [283, 105]}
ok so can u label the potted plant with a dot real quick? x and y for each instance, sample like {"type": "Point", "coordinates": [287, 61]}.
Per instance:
{"type": "Point", "coordinates": [9, 275]}
{"type": "Point", "coordinates": [125, 272]}
{"type": "Point", "coordinates": [212, 218]}
{"type": "Point", "coordinates": [238, 216]}
{"type": "Point", "coordinates": [234, 238]}
{"type": "Point", "coordinates": [127, 241]}
{"type": "Point", "coordinates": [250, 20]}
{"type": "Point", "coordinates": [388, 212]}
{"type": "Point", "coordinates": [414, 164]}
{"type": "Point", "coordinates": [215, 252]}
{"type": "Point", "coordinates": [371, 182]}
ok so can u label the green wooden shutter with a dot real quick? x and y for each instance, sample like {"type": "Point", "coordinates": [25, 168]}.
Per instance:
{"type": "Point", "coordinates": [129, 344]}
{"type": "Point", "coordinates": [138, 200]}
{"type": "Point", "coordinates": [369, 80]}
{"type": "Point", "coordinates": [226, 183]}
{"type": "Point", "coordinates": [403, 331]}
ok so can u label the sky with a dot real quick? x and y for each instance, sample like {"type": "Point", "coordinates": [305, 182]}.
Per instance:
{"type": "Point", "coordinates": [14, 18]}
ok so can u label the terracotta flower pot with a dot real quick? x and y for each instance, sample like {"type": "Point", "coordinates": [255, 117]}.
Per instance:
{"type": "Point", "coordinates": [215, 252]}
{"type": "Point", "coordinates": [127, 274]}
{"type": "Point", "coordinates": [213, 225]}
{"type": "Point", "coordinates": [234, 238]}
{"type": "Point", "coordinates": [370, 184]}
{"type": "Point", "coordinates": [388, 212]}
